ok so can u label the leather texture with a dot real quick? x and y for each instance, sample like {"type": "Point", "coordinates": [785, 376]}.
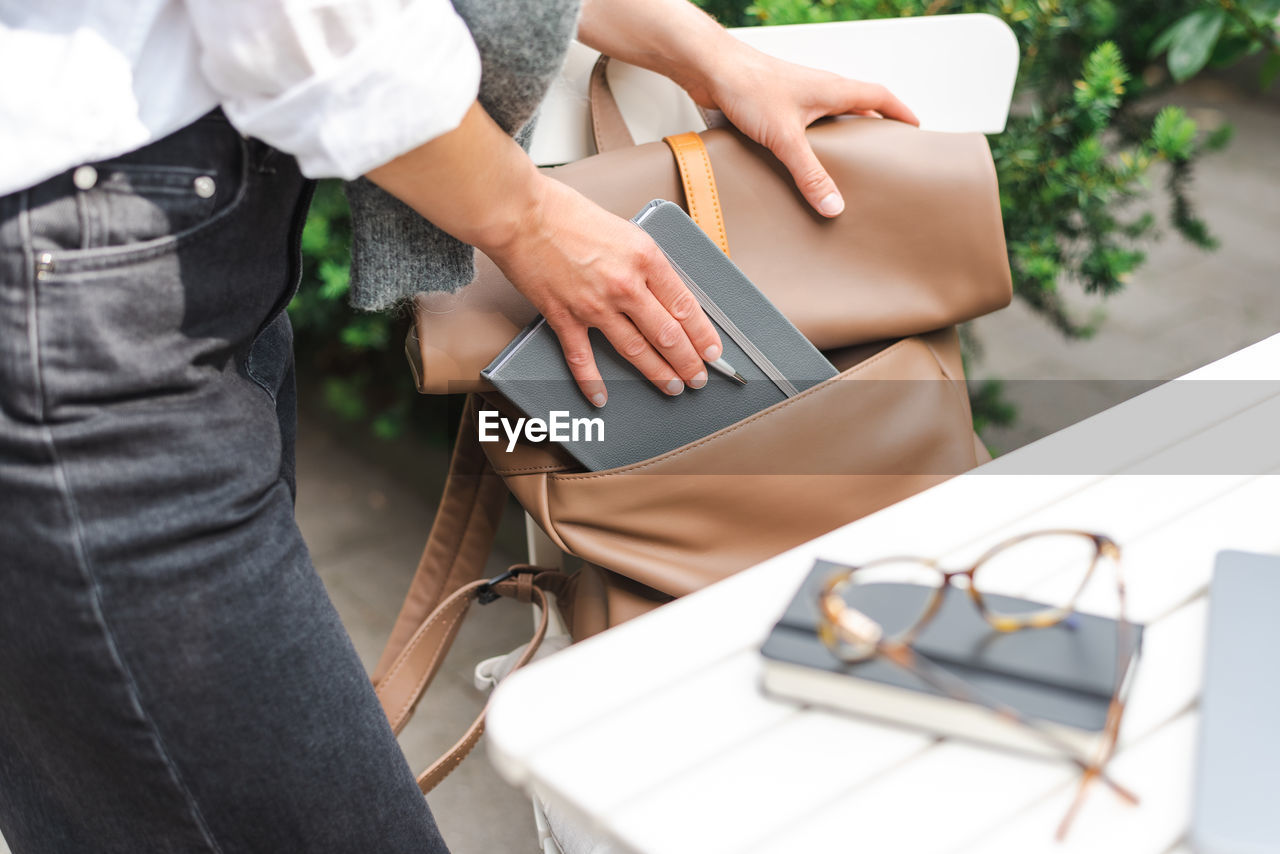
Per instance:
{"type": "Point", "coordinates": [608, 128]}
{"type": "Point", "coordinates": [702, 196]}
{"type": "Point", "coordinates": [641, 422]}
{"type": "Point", "coordinates": [920, 245]}
{"type": "Point", "coordinates": [887, 428]}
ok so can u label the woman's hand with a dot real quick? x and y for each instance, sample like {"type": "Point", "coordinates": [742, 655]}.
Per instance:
{"type": "Point", "coordinates": [583, 267]}
{"type": "Point", "coordinates": [580, 265]}
{"type": "Point", "coordinates": [773, 101]}
{"type": "Point", "coordinates": [769, 100]}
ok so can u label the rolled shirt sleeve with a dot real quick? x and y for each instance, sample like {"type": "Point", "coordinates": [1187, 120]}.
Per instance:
{"type": "Point", "coordinates": [342, 86]}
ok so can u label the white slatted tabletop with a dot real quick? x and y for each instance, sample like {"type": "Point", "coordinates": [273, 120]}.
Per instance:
{"type": "Point", "coordinates": [657, 733]}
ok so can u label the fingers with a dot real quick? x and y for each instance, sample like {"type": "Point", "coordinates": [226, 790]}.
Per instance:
{"type": "Point", "coordinates": [668, 337]}
{"type": "Point", "coordinates": [606, 273]}
{"type": "Point", "coordinates": [581, 361]}
{"type": "Point", "coordinates": [657, 325]}
{"type": "Point", "coordinates": [678, 301]}
{"type": "Point", "coordinates": [633, 346]}
{"type": "Point", "coordinates": [811, 179]}
{"type": "Point", "coordinates": [660, 329]}
{"type": "Point", "coordinates": [858, 97]}
{"type": "Point", "coordinates": [797, 155]}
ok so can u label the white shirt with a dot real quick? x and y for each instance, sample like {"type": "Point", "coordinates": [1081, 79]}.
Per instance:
{"type": "Point", "coordinates": [343, 86]}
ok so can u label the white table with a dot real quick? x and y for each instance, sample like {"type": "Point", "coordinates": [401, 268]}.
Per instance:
{"type": "Point", "coordinates": [657, 734]}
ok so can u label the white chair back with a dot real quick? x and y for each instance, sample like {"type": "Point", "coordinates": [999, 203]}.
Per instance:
{"type": "Point", "coordinates": [956, 72]}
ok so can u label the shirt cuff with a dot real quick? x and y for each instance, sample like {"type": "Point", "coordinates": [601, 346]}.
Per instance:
{"type": "Point", "coordinates": [408, 82]}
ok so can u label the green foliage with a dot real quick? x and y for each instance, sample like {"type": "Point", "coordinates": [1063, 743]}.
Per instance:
{"type": "Point", "coordinates": [731, 13]}
{"type": "Point", "coordinates": [990, 409]}
{"type": "Point", "coordinates": [1220, 33]}
{"type": "Point", "coordinates": [1191, 41]}
{"type": "Point", "coordinates": [1079, 146]}
{"type": "Point", "coordinates": [318, 310]}
{"type": "Point", "coordinates": [354, 358]}
{"type": "Point", "coordinates": [1078, 149]}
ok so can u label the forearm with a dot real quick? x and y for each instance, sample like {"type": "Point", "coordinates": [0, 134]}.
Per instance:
{"type": "Point", "coordinates": [475, 182]}
{"type": "Point", "coordinates": [672, 37]}
{"type": "Point", "coordinates": [581, 266]}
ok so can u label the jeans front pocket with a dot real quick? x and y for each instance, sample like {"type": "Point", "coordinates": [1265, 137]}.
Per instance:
{"type": "Point", "coordinates": [134, 203]}
{"type": "Point", "coordinates": [141, 204]}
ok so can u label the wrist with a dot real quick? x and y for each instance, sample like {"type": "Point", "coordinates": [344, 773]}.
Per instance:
{"type": "Point", "coordinates": [520, 215]}
{"type": "Point", "coordinates": [702, 58]}
{"type": "Point", "coordinates": [672, 37]}
{"type": "Point", "coordinates": [475, 182]}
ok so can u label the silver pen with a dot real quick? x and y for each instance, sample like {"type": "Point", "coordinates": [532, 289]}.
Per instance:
{"type": "Point", "coordinates": [723, 367]}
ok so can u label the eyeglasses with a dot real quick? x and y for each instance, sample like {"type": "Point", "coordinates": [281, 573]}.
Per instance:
{"type": "Point", "coordinates": [1060, 562]}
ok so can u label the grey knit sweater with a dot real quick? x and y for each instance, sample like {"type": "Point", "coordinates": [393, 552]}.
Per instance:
{"type": "Point", "coordinates": [395, 252]}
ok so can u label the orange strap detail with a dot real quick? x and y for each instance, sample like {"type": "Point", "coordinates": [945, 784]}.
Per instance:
{"type": "Point", "coordinates": [700, 193]}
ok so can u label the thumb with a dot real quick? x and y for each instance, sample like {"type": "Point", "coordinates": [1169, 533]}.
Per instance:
{"type": "Point", "coordinates": [811, 179]}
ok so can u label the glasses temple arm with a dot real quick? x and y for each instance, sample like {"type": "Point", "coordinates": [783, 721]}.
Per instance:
{"type": "Point", "coordinates": [939, 679]}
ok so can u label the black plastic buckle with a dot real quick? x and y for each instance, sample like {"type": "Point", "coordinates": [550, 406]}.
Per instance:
{"type": "Point", "coordinates": [485, 592]}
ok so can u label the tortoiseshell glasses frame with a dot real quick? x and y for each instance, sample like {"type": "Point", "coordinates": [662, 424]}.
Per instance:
{"type": "Point", "coordinates": [854, 636]}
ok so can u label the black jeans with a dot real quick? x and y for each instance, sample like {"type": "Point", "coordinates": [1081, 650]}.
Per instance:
{"type": "Point", "coordinates": [173, 677]}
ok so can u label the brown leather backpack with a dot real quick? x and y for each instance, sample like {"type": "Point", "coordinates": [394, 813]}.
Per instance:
{"type": "Point", "coordinates": [919, 248]}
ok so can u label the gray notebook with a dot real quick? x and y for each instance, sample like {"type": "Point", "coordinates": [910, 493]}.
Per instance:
{"type": "Point", "coordinates": [639, 421]}
{"type": "Point", "coordinates": [1063, 676]}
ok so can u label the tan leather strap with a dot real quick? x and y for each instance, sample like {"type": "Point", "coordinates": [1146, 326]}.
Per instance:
{"type": "Point", "coordinates": [460, 539]}
{"type": "Point", "coordinates": [411, 671]}
{"type": "Point", "coordinates": [608, 128]}
{"type": "Point", "coordinates": [446, 583]}
{"type": "Point", "coordinates": [700, 193]}
{"type": "Point", "coordinates": [610, 132]}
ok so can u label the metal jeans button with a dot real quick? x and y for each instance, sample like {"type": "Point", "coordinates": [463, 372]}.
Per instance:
{"type": "Point", "coordinates": [44, 265]}
{"type": "Point", "coordinates": [84, 177]}
{"type": "Point", "coordinates": [205, 187]}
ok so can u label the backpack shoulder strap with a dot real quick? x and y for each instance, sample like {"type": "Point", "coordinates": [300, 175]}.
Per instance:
{"type": "Point", "coordinates": [460, 540]}
{"type": "Point", "coordinates": [412, 669]}
{"type": "Point", "coordinates": [447, 581]}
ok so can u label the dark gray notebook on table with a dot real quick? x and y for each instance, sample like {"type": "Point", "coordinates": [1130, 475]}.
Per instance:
{"type": "Point", "coordinates": [639, 421]}
{"type": "Point", "coordinates": [1063, 676]}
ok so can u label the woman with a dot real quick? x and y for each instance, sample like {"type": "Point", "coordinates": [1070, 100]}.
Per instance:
{"type": "Point", "coordinates": [172, 674]}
